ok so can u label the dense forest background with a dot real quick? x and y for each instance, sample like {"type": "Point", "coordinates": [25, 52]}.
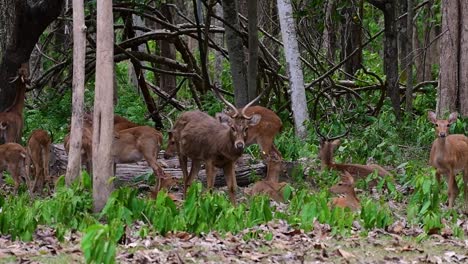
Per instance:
{"type": "Point", "coordinates": [368, 72]}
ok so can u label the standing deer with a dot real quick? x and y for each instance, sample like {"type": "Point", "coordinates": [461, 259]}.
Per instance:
{"type": "Point", "coordinates": [449, 155]}
{"type": "Point", "coordinates": [13, 159]}
{"type": "Point", "coordinates": [327, 147]}
{"type": "Point", "coordinates": [345, 187]}
{"type": "Point", "coordinates": [218, 142]}
{"type": "Point", "coordinates": [11, 120]}
{"type": "Point", "coordinates": [38, 150]}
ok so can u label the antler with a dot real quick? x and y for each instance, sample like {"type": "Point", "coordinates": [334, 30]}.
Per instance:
{"type": "Point", "coordinates": [251, 103]}
{"type": "Point", "coordinates": [218, 94]}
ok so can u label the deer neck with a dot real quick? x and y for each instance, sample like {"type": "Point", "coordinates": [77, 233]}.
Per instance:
{"type": "Point", "coordinates": [326, 157]}
{"type": "Point", "coordinates": [18, 104]}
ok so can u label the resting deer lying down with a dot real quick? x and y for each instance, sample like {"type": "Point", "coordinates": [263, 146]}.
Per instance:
{"type": "Point", "coordinates": [449, 155]}
{"type": "Point", "coordinates": [346, 188]}
{"type": "Point", "coordinates": [218, 142]}
{"type": "Point", "coordinates": [13, 159]}
{"type": "Point", "coordinates": [38, 150]}
{"type": "Point", "coordinates": [356, 170]}
{"type": "Point", "coordinates": [273, 189]}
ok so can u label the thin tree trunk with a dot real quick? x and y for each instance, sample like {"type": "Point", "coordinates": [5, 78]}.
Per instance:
{"type": "Point", "coordinates": [463, 59]}
{"type": "Point", "coordinates": [219, 40]}
{"type": "Point", "coordinates": [409, 60]}
{"type": "Point", "coordinates": [253, 49]}
{"type": "Point", "coordinates": [236, 53]}
{"type": "Point", "coordinates": [167, 82]}
{"type": "Point", "coordinates": [353, 38]}
{"type": "Point", "coordinates": [448, 75]}
{"type": "Point", "coordinates": [79, 55]}
{"type": "Point", "coordinates": [103, 125]}
{"type": "Point", "coordinates": [296, 79]}
{"type": "Point", "coordinates": [403, 41]}
{"type": "Point", "coordinates": [329, 36]}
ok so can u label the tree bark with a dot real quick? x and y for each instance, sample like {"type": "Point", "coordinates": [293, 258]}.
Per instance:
{"type": "Point", "coordinates": [463, 59]}
{"type": "Point", "coordinates": [219, 40]}
{"type": "Point", "coordinates": [103, 125]}
{"type": "Point", "coordinates": [236, 53]}
{"type": "Point", "coordinates": [79, 59]}
{"type": "Point", "coordinates": [7, 20]}
{"type": "Point", "coordinates": [409, 60]}
{"type": "Point", "coordinates": [167, 82]}
{"type": "Point", "coordinates": [403, 41]}
{"type": "Point", "coordinates": [296, 79]}
{"type": "Point", "coordinates": [253, 49]}
{"type": "Point", "coordinates": [448, 76]}
{"type": "Point", "coordinates": [353, 38]}
{"type": "Point", "coordinates": [329, 36]}
{"type": "Point", "coordinates": [29, 23]}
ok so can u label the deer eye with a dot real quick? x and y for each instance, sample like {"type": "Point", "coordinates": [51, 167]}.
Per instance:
{"type": "Point", "coordinates": [448, 125]}
{"type": "Point", "coordinates": [233, 129]}
{"type": "Point", "coordinates": [436, 125]}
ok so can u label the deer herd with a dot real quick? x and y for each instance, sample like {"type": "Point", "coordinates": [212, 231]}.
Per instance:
{"type": "Point", "coordinates": [215, 142]}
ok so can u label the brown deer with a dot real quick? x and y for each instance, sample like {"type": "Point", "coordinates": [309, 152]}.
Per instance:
{"type": "Point", "coordinates": [13, 159]}
{"type": "Point", "coordinates": [328, 146]}
{"type": "Point", "coordinates": [449, 155]}
{"type": "Point", "coordinates": [218, 142]}
{"type": "Point", "coordinates": [11, 120]}
{"type": "Point", "coordinates": [345, 187]}
{"type": "Point", "coordinates": [273, 189]}
{"type": "Point", "coordinates": [38, 150]}
{"type": "Point", "coordinates": [86, 143]}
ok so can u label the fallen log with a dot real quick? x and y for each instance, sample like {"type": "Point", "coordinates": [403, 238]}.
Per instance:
{"type": "Point", "coordinates": [248, 169]}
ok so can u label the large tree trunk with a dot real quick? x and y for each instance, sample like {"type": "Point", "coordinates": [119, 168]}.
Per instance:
{"type": "Point", "coordinates": [448, 76]}
{"type": "Point", "coordinates": [79, 59]}
{"type": "Point", "coordinates": [219, 40]}
{"type": "Point", "coordinates": [236, 53]}
{"type": "Point", "coordinates": [353, 38]}
{"type": "Point", "coordinates": [296, 79]}
{"type": "Point", "coordinates": [29, 23]}
{"type": "Point", "coordinates": [167, 82]}
{"type": "Point", "coordinates": [103, 125]}
{"type": "Point", "coordinates": [253, 50]}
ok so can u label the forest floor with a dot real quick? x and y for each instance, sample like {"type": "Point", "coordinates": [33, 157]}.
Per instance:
{"type": "Point", "coordinates": [273, 242]}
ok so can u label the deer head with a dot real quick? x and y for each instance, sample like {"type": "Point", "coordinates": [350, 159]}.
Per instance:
{"type": "Point", "coordinates": [442, 126]}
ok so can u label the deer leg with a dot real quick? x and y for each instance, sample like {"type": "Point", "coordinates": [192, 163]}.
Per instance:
{"type": "Point", "coordinates": [465, 188]}
{"type": "Point", "coordinates": [14, 170]}
{"type": "Point", "coordinates": [183, 167]}
{"type": "Point", "coordinates": [230, 176]}
{"type": "Point", "coordinates": [452, 188]}
{"type": "Point", "coordinates": [196, 166]}
{"type": "Point", "coordinates": [210, 174]}
{"type": "Point", "coordinates": [272, 157]}
{"type": "Point", "coordinates": [437, 175]}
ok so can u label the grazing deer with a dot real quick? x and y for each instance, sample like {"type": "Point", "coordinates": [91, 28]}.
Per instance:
{"type": "Point", "coordinates": [449, 155]}
{"type": "Point", "coordinates": [13, 159]}
{"type": "Point", "coordinates": [11, 120]}
{"type": "Point", "coordinates": [218, 142]}
{"type": "Point", "coordinates": [38, 150]}
{"type": "Point", "coordinates": [345, 187]}
{"type": "Point", "coordinates": [273, 189]}
{"type": "Point", "coordinates": [328, 146]}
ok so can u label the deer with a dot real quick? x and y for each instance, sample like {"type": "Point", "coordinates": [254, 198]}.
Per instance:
{"type": "Point", "coordinates": [327, 147]}
{"type": "Point", "coordinates": [346, 188]}
{"type": "Point", "coordinates": [38, 148]}
{"type": "Point", "coordinates": [273, 189]}
{"type": "Point", "coordinates": [11, 120]}
{"type": "Point", "coordinates": [262, 134]}
{"type": "Point", "coordinates": [217, 141]}
{"type": "Point", "coordinates": [449, 155]}
{"type": "Point", "coordinates": [13, 159]}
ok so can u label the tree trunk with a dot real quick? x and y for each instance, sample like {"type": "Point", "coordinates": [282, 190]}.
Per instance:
{"type": "Point", "coordinates": [403, 41]}
{"type": "Point", "coordinates": [103, 125]}
{"type": "Point", "coordinates": [219, 40]}
{"type": "Point", "coordinates": [236, 53]}
{"type": "Point", "coordinates": [448, 76]}
{"type": "Point", "coordinates": [21, 35]}
{"type": "Point", "coordinates": [463, 59]}
{"type": "Point", "coordinates": [329, 36]}
{"type": "Point", "coordinates": [137, 21]}
{"type": "Point", "coordinates": [409, 60]}
{"type": "Point", "coordinates": [353, 35]}
{"type": "Point", "coordinates": [253, 49]}
{"type": "Point", "coordinates": [79, 59]}
{"type": "Point", "coordinates": [296, 80]}
{"type": "Point", "coordinates": [167, 82]}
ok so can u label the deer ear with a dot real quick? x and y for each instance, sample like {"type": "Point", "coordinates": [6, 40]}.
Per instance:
{"type": "Point", "coordinates": [336, 143]}
{"type": "Point", "coordinates": [432, 117]}
{"type": "Point", "coordinates": [223, 118]}
{"type": "Point", "coordinates": [255, 120]}
{"type": "Point", "coordinates": [452, 117]}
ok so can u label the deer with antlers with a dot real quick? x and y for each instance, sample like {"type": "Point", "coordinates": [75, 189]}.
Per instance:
{"type": "Point", "coordinates": [449, 155]}
{"type": "Point", "coordinates": [11, 120]}
{"type": "Point", "coordinates": [327, 147]}
{"type": "Point", "coordinates": [346, 188]}
{"type": "Point", "coordinates": [13, 159]}
{"type": "Point", "coordinates": [38, 149]}
{"type": "Point", "coordinates": [218, 142]}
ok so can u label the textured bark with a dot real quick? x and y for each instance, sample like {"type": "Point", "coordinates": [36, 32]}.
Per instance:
{"type": "Point", "coordinates": [329, 36]}
{"type": "Point", "coordinates": [409, 61]}
{"type": "Point", "coordinates": [103, 125]}
{"type": "Point", "coordinates": [463, 59]}
{"type": "Point", "coordinates": [236, 53]}
{"type": "Point", "coordinates": [403, 41]}
{"type": "Point", "coordinates": [29, 23]}
{"type": "Point", "coordinates": [353, 38]}
{"type": "Point", "coordinates": [253, 50]}
{"type": "Point", "coordinates": [448, 76]}
{"type": "Point", "coordinates": [79, 54]}
{"type": "Point", "coordinates": [296, 79]}
{"type": "Point", "coordinates": [167, 82]}
{"type": "Point", "coordinates": [219, 40]}
{"type": "Point", "coordinates": [137, 21]}
{"type": "Point", "coordinates": [7, 20]}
